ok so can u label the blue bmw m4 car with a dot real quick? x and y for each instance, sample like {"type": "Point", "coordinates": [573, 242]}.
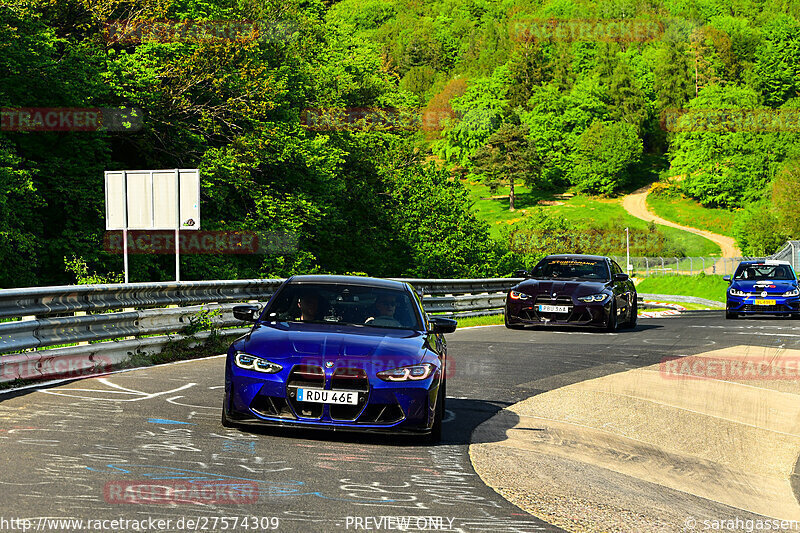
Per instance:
{"type": "Point", "coordinates": [342, 353]}
{"type": "Point", "coordinates": [763, 287]}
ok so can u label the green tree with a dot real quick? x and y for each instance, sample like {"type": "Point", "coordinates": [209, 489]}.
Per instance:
{"type": "Point", "coordinates": [508, 156]}
{"type": "Point", "coordinates": [604, 156]}
{"type": "Point", "coordinates": [786, 197]}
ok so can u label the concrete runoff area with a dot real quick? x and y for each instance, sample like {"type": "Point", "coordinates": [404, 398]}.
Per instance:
{"type": "Point", "coordinates": [723, 425]}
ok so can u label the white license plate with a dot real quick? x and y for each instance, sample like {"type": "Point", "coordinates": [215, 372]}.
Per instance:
{"type": "Point", "coordinates": [327, 396]}
{"type": "Point", "coordinates": [554, 308]}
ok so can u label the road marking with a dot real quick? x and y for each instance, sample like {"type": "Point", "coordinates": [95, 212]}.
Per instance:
{"type": "Point", "coordinates": [141, 395]}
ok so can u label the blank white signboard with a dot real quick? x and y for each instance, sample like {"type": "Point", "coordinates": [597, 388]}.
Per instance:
{"type": "Point", "coordinates": [153, 199]}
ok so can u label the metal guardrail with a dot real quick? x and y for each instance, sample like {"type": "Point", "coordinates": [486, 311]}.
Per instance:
{"type": "Point", "coordinates": [111, 323]}
{"type": "Point", "coordinates": [114, 322]}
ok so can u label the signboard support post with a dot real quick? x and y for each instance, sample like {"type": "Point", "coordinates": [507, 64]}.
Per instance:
{"type": "Point", "coordinates": [125, 253]}
{"type": "Point", "coordinates": [125, 230]}
{"type": "Point", "coordinates": [178, 226]}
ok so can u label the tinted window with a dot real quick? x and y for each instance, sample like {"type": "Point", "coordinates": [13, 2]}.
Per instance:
{"type": "Point", "coordinates": [564, 268]}
{"type": "Point", "coordinates": [616, 268]}
{"type": "Point", "coordinates": [344, 304]}
{"type": "Point", "coordinates": [764, 272]}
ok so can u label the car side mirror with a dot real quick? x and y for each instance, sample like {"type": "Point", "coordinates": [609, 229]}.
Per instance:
{"type": "Point", "coordinates": [621, 277]}
{"type": "Point", "coordinates": [520, 273]}
{"type": "Point", "coordinates": [726, 278]}
{"type": "Point", "coordinates": [246, 313]}
{"type": "Point", "coordinates": [440, 324]}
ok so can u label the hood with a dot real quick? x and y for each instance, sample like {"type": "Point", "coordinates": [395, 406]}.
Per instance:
{"type": "Point", "coordinates": [771, 287]}
{"type": "Point", "coordinates": [565, 287]}
{"type": "Point", "coordinates": [317, 344]}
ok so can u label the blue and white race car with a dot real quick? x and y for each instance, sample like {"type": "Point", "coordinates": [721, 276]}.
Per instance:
{"type": "Point", "coordinates": [763, 287]}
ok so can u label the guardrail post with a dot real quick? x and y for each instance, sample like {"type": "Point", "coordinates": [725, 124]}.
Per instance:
{"type": "Point", "coordinates": [691, 267]}
{"type": "Point", "coordinates": [646, 267]}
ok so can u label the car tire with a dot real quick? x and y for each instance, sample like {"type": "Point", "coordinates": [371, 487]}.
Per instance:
{"type": "Point", "coordinates": [512, 326]}
{"type": "Point", "coordinates": [795, 316]}
{"type": "Point", "coordinates": [612, 324]}
{"type": "Point", "coordinates": [226, 422]}
{"type": "Point", "coordinates": [634, 315]}
{"type": "Point", "coordinates": [435, 436]}
{"type": "Point", "coordinates": [730, 316]}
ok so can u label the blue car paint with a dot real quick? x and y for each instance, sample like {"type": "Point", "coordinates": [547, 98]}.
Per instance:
{"type": "Point", "coordinates": [762, 290]}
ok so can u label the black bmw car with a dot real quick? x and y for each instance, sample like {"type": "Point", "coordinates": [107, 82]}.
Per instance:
{"type": "Point", "coordinates": [573, 290]}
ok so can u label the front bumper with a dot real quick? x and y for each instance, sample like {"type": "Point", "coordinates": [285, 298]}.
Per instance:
{"type": "Point", "coordinates": [594, 314]}
{"type": "Point", "coordinates": [747, 305]}
{"type": "Point", "coordinates": [385, 407]}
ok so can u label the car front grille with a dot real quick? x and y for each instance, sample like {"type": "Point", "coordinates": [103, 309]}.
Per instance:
{"type": "Point", "coordinates": [351, 379]}
{"type": "Point", "coordinates": [545, 299]}
{"type": "Point", "coordinates": [310, 376]}
{"type": "Point", "coordinates": [765, 308]}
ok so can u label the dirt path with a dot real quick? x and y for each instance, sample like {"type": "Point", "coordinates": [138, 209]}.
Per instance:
{"type": "Point", "coordinates": [636, 204]}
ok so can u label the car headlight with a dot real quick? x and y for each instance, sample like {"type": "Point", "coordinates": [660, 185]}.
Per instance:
{"type": "Point", "coordinates": [737, 292]}
{"type": "Point", "coordinates": [516, 295]}
{"type": "Point", "coordinates": [251, 362]}
{"type": "Point", "coordinates": [408, 373]}
{"type": "Point", "coordinates": [793, 292]}
{"type": "Point", "coordinates": [600, 297]}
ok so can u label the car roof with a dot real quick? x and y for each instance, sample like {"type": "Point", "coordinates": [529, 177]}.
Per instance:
{"type": "Point", "coordinates": [576, 256]}
{"type": "Point", "coordinates": [765, 262]}
{"type": "Point", "coordinates": [360, 281]}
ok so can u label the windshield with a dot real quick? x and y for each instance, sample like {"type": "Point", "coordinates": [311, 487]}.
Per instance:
{"type": "Point", "coordinates": [571, 269]}
{"type": "Point", "coordinates": [357, 305]}
{"type": "Point", "coordinates": [764, 272]}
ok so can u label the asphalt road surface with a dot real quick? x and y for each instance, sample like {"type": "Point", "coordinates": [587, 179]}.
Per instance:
{"type": "Point", "coordinates": [67, 449]}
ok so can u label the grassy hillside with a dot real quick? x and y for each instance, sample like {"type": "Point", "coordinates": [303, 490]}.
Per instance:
{"type": "Point", "coordinates": [691, 213]}
{"type": "Point", "coordinates": [711, 287]}
{"type": "Point", "coordinates": [580, 209]}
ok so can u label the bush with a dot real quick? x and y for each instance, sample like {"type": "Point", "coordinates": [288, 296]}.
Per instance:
{"type": "Point", "coordinates": [758, 231]}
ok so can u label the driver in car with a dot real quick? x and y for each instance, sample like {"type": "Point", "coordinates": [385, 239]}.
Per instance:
{"type": "Point", "coordinates": [385, 306]}
{"type": "Point", "coordinates": [308, 303]}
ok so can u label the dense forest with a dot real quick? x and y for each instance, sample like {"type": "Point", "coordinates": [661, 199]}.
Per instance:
{"type": "Point", "coordinates": [499, 90]}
